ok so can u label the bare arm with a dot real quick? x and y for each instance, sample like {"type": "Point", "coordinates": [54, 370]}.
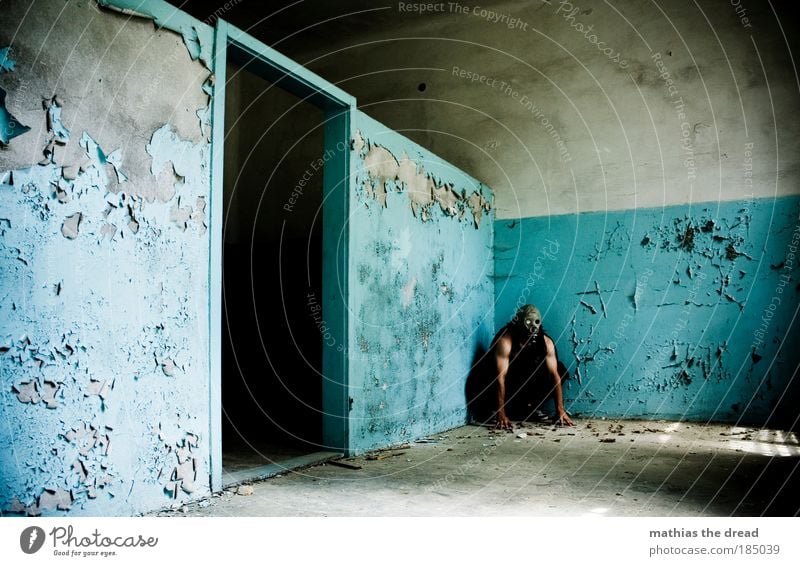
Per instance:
{"type": "Point", "coordinates": [552, 367]}
{"type": "Point", "coordinates": [502, 353]}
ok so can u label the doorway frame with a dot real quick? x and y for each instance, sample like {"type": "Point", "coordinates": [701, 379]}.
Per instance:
{"type": "Point", "coordinates": [236, 45]}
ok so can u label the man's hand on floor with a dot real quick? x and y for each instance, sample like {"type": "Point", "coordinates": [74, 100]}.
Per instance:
{"type": "Point", "coordinates": [563, 419]}
{"type": "Point", "coordinates": [503, 423]}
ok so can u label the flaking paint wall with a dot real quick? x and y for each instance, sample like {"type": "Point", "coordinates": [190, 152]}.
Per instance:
{"type": "Point", "coordinates": [682, 312]}
{"type": "Point", "coordinates": [104, 247]}
{"type": "Point", "coordinates": [420, 288]}
{"type": "Point", "coordinates": [105, 251]}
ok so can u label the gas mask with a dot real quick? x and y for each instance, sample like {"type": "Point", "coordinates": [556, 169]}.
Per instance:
{"type": "Point", "coordinates": [528, 321]}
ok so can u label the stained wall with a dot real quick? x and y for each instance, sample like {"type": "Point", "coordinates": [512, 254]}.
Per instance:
{"type": "Point", "coordinates": [597, 123]}
{"type": "Point", "coordinates": [104, 361]}
{"type": "Point", "coordinates": [421, 292]}
{"type": "Point", "coordinates": [682, 312]}
{"type": "Point", "coordinates": [104, 292]}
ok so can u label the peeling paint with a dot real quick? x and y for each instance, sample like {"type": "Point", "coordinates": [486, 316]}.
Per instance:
{"type": "Point", "coordinates": [204, 116]}
{"type": "Point", "coordinates": [384, 172]}
{"type": "Point", "coordinates": [683, 330]}
{"type": "Point", "coordinates": [197, 36]}
{"type": "Point", "coordinates": [7, 64]}
{"type": "Point", "coordinates": [381, 167]}
{"type": "Point", "coordinates": [600, 296]}
{"type": "Point", "coordinates": [99, 387]}
{"type": "Point", "coordinates": [27, 392]}
{"type": "Point", "coordinates": [192, 41]}
{"type": "Point", "coordinates": [57, 133]}
{"type": "Point", "coordinates": [49, 391]}
{"type": "Point", "coordinates": [98, 281]}
{"type": "Point", "coordinates": [478, 204]}
{"type": "Point", "coordinates": [617, 241]}
{"type": "Point", "coordinates": [447, 199]}
{"type": "Point", "coordinates": [185, 466]}
{"type": "Point", "coordinates": [358, 142]}
{"type": "Point", "coordinates": [58, 498]}
{"type": "Point", "coordinates": [588, 306]}
{"type": "Point", "coordinates": [173, 160]}
{"type": "Point", "coordinates": [420, 286]}
{"type": "Point", "coordinates": [108, 231]}
{"type": "Point", "coordinates": [702, 236]}
{"type": "Point", "coordinates": [102, 161]}
{"type": "Point", "coordinates": [71, 225]}
{"type": "Point", "coordinates": [10, 127]}
{"type": "Point", "coordinates": [55, 126]}
{"type": "Point", "coordinates": [599, 293]}
{"type": "Point", "coordinates": [417, 185]}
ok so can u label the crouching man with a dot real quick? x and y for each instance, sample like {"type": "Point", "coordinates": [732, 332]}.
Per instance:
{"type": "Point", "coordinates": [526, 359]}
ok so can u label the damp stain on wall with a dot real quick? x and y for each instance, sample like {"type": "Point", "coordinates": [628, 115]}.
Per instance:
{"type": "Point", "coordinates": [664, 313]}
{"type": "Point", "coordinates": [421, 287]}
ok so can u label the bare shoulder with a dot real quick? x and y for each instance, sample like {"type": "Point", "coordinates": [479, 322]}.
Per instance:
{"type": "Point", "coordinates": [502, 347]}
{"type": "Point", "coordinates": [548, 342]}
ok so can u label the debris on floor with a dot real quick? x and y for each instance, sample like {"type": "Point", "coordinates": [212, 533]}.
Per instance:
{"type": "Point", "coordinates": [244, 490]}
{"type": "Point", "coordinates": [477, 477]}
{"type": "Point", "coordinates": [344, 464]}
{"type": "Point", "coordinates": [738, 432]}
{"type": "Point", "coordinates": [385, 455]}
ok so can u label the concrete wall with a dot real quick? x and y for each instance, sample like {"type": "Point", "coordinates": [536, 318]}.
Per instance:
{"type": "Point", "coordinates": [689, 106]}
{"type": "Point", "coordinates": [420, 288]}
{"type": "Point", "coordinates": [104, 237]}
{"type": "Point", "coordinates": [684, 152]}
{"type": "Point", "coordinates": [519, 95]}
{"type": "Point", "coordinates": [682, 312]}
{"type": "Point", "coordinates": [103, 288]}
{"type": "Point", "coordinates": [104, 245]}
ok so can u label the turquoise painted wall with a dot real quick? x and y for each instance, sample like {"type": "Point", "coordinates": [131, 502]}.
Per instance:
{"type": "Point", "coordinates": [682, 312]}
{"type": "Point", "coordinates": [104, 255]}
{"type": "Point", "coordinates": [105, 351]}
{"type": "Point", "coordinates": [421, 288]}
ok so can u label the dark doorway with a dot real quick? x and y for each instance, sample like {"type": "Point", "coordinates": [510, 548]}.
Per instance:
{"type": "Point", "coordinates": [272, 275]}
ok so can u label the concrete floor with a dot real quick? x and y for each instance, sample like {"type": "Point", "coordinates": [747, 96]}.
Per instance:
{"type": "Point", "coordinates": [236, 458]}
{"type": "Point", "coordinates": [598, 468]}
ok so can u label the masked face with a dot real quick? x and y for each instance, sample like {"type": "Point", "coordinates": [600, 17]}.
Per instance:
{"type": "Point", "coordinates": [528, 320]}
